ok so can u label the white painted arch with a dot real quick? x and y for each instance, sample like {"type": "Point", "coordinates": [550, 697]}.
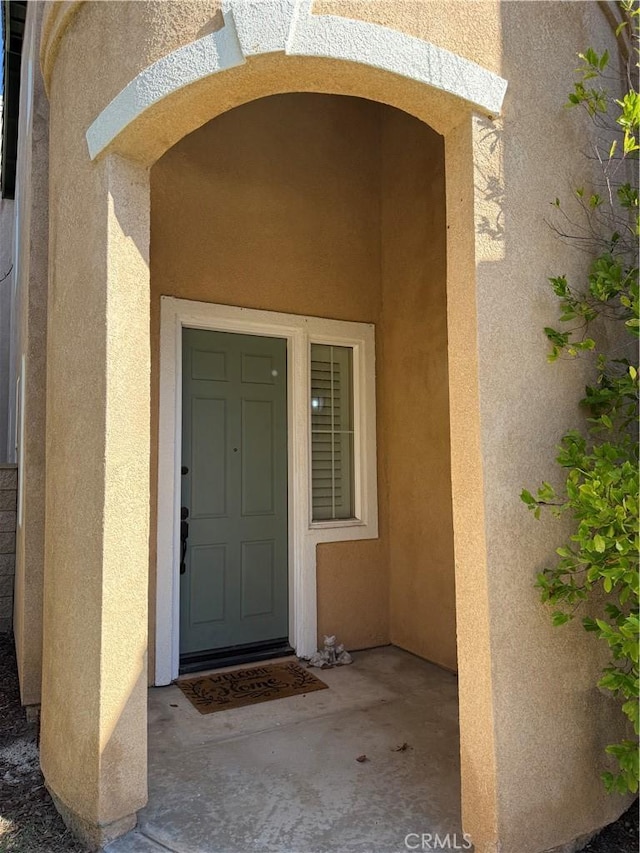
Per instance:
{"type": "Point", "coordinates": [255, 27]}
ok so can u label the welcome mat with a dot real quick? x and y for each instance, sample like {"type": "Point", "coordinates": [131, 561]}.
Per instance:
{"type": "Point", "coordinates": [240, 687]}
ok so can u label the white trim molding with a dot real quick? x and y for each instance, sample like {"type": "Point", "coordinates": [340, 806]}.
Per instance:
{"type": "Point", "coordinates": [255, 27]}
{"type": "Point", "coordinates": [304, 536]}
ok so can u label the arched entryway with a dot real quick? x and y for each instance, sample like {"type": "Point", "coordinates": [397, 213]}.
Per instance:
{"type": "Point", "coordinates": [303, 219]}
{"type": "Point", "coordinates": [328, 209]}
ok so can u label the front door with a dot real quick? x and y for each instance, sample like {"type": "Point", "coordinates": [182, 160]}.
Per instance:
{"type": "Point", "coordinates": [234, 575]}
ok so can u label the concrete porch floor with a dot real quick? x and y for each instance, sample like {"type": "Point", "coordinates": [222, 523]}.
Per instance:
{"type": "Point", "coordinates": [282, 776]}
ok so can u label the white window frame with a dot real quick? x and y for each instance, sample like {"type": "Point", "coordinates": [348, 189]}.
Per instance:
{"type": "Point", "coordinates": [359, 428]}
{"type": "Point", "coordinates": [304, 534]}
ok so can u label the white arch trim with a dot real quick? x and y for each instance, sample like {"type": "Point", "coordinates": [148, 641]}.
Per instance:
{"type": "Point", "coordinates": [253, 27]}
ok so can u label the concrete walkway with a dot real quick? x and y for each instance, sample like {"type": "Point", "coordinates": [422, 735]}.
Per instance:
{"type": "Point", "coordinates": [282, 777]}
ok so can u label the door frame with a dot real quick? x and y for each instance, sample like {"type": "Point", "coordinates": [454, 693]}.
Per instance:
{"type": "Point", "coordinates": [303, 534]}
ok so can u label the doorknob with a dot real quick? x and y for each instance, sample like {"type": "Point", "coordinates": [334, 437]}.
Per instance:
{"type": "Point", "coordinates": [184, 535]}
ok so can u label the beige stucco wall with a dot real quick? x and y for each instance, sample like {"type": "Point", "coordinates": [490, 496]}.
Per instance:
{"type": "Point", "coordinates": [551, 720]}
{"type": "Point", "coordinates": [530, 750]}
{"type": "Point", "coordinates": [415, 398]}
{"type": "Point", "coordinates": [93, 721]}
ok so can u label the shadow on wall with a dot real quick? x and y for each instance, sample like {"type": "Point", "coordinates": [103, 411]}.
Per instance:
{"type": "Point", "coordinates": [489, 184]}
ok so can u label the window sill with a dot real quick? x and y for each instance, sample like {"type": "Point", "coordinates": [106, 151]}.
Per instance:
{"type": "Point", "coordinates": [336, 523]}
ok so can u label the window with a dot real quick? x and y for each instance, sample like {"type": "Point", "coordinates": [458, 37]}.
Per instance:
{"type": "Point", "coordinates": [332, 433]}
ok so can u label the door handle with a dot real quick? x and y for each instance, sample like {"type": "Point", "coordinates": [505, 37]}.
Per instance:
{"type": "Point", "coordinates": [184, 535]}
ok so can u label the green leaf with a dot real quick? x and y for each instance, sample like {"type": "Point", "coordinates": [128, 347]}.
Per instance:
{"type": "Point", "coordinates": [599, 544]}
{"type": "Point", "coordinates": [546, 493]}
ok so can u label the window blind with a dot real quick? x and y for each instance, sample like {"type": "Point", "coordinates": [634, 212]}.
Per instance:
{"type": "Point", "coordinates": [332, 448]}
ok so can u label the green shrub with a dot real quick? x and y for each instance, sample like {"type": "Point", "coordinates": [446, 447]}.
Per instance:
{"type": "Point", "coordinates": [598, 565]}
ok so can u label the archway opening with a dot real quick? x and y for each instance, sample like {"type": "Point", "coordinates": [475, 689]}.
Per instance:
{"type": "Point", "coordinates": [332, 208]}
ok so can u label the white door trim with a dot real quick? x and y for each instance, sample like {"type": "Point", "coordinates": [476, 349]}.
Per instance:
{"type": "Point", "coordinates": [304, 536]}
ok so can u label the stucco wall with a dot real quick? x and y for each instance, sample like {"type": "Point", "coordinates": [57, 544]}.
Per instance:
{"type": "Point", "coordinates": [544, 677]}
{"type": "Point", "coordinates": [93, 723]}
{"type": "Point", "coordinates": [415, 396]}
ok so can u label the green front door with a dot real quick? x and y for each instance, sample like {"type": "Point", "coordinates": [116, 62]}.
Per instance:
{"type": "Point", "coordinates": [233, 582]}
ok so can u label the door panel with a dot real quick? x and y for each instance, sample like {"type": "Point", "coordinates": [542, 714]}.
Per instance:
{"type": "Point", "coordinates": [207, 583]}
{"type": "Point", "coordinates": [258, 439]}
{"type": "Point", "coordinates": [209, 365]}
{"type": "Point", "coordinates": [234, 590]}
{"type": "Point", "coordinates": [258, 369]}
{"type": "Point", "coordinates": [258, 578]}
{"type": "Point", "coordinates": [208, 443]}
